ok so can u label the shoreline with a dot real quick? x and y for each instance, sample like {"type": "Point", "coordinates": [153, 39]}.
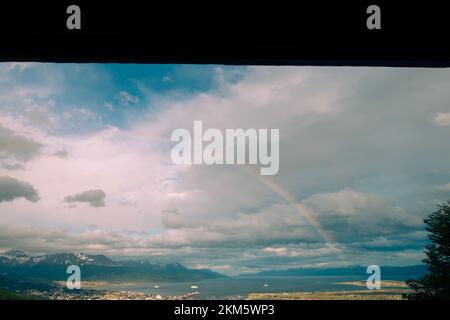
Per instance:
{"type": "Point", "coordinates": [394, 290]}
{"type": "Point", "coordinates": [387, 294]}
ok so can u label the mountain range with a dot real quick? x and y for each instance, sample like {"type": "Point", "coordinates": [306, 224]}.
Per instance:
{"type": "Point", "coordinates": [386, 271]}
{"type": "Point", "coordinates": [19, 270]}
{"type": "Point", "coordinates": [17, 257]}
{"type": "Point", "coordinates": [16, 264]}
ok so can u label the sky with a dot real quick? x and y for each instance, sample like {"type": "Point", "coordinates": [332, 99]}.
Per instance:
{"type": "Point", "coordinates": [85, 163]}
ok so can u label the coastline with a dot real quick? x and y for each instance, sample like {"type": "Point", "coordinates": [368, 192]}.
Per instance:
{"type": "Point", "coordinates": [391, 290]}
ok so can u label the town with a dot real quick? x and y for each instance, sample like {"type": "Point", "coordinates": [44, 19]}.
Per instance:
{"type": "Point", "coordinates": [91, 294]}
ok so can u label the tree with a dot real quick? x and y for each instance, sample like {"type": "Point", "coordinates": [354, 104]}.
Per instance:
{"type": "Point", "coordinates": [436, 283]}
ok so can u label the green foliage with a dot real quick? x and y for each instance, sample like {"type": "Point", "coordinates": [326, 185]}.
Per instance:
{"type": "Point", "coordinates": [8, 295]}
{"type": "Point", "coordinates": [435, 284]}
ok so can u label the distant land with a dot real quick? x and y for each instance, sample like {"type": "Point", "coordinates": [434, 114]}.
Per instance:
{"type": "Point", "coordinates": [9, 295]}
{"type": "Point", "coordinates": [19, 270]}
{"type": "Point", "coordinates": [44, 276]}
{"type": "Point", "coordinates": [388, 294]}
{"type": "Point", "coordinates": [386, 271]}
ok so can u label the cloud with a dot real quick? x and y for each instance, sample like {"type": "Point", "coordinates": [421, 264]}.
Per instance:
{"type": "Point", "coordinates": [278, 223]}
{"type": "Point", "coordinates": [11, 189]}
{"type": "Point", "coordinates": [39, 114]}
{"type": "Point", "coordinates": [17, 146]}
{"type": "Point", "coordinates": [109, 106]}
{"type": "Point", "coordinates": [167, 79]}
{"type": "Point", "coordinates": [51, 240]}
{"type": "Point", "coordinates": [365, 168]}
{"type": "Point", "coordinates": [96, 198]}
{"type": "Point", "coordinates": [346, 215]}
{"type": "Point", "coordinates": [350, 215]}
{"type": "Point", "coordinates": [237, 259]}
{"type": "Point", "coordinates": [445, 187]}
{"type": "Point", "coordinates": [20, 66]}
{"type": "Point", "coordinates": [294, 251]}
{"type": "Point", "coordinates": [15, 166]}
{"type": "Point", "coordinates": [442, 119]}
{"type": "Point", "coordinates": [127, 98]}
{"type": "Point", "coordinates": [129, 199]}
{"type": "Point", "coordinates": [63, 154]}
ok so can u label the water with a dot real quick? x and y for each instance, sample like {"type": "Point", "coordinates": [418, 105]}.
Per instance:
{"type": "Point", "coordinates": [241, 286]}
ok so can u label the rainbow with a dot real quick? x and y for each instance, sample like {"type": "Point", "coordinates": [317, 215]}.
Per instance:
{"type": "Point", "coordinates": [306, 212]}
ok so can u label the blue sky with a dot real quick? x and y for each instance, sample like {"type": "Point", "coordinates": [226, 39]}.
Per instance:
{"type": "Point", "coordinates": [118, 85]}
{"type": "Point", "coordinates": [85, 163]}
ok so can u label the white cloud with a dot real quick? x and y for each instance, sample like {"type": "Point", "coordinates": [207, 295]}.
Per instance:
{"type": "Point", "coordinates": [167, 79]}
{"type": "Point", "coordinates": [109, 106]}
{"type": "Point", "coordinates": [445, 187]}
{"type": "Point", "coordinates": [127, 98]}
{"type": "Point", "coordinates": [21, 66]}
{"type": "Point", "coordinates": [442, 119]}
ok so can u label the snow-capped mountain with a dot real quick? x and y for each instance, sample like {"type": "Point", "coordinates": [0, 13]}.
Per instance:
{"type": "Point", "coordinates": [18, 257]}
{"type": "Point", "coordinates": [15, 257]}
{"type": "Point", "coordinates": [19, 265]}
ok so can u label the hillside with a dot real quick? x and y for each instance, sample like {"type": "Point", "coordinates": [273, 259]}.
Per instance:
{"type": "Point", "coordinates": [8, 295]}
{"type": "Point", "coordinates": [17, 265]}
{"type": "Point", "coordinates": [390, 271]}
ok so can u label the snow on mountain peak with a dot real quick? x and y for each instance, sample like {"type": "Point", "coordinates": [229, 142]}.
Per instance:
{"type": "Point", "coordinates": [15, 253]}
